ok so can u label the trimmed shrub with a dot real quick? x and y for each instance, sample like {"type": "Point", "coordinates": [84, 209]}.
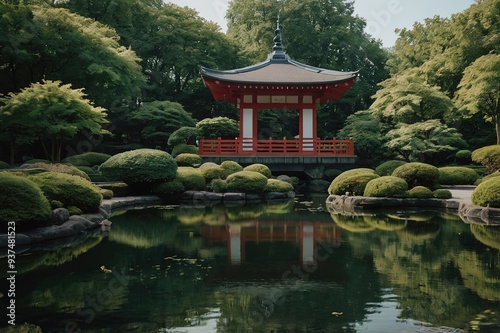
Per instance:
{"type": "Point", "coordinates": [418, 174]}
{"type": "Point", "coordinates": [353, 181]}
{"type": "Point", "coordinates": [219, 186]}
{"type": "Point", "coordinates": [184, 135]}
{"type": "Point", "coordinates": [386, 186]}
{"type": "Point", "coordinates": [488, 156]}
{"type": "Point", "coordinates": [246, 182]}
{"type": "Point", "coordinates": [56, 204]}
{"type": "Point", "coordinates": [4, 165]}
{"type": "Point", "coordinates": [442, 194]}
{"type": "Point", "coordinates": [487, 194]}
{"type": "Point", "coordinates": [420, 192]}
{"type": "Point", "coordinates": [106, 194]}
{"type": "Point", "coordinates": [89, 159]}
{"type": "Point", "coordinates": [184, 149]}
{"type": "Point", "coordinates": [168, 188]}
{"type": "Point", "coordinates": [189, 160]}
{"type": "Point", "coordinates": [87, 170]}
{"type": "Point", "coordinates": [463, 156]}
{"type": "Point", "coordinates": [457, 176]}
{"type": "Point", "coordinates": [260, 168]}
{"type": "Point", "coordinates": [61, 168]}
{"type": "Point", "coordinates": [388, 167]}
{"type": "Point", "coordinates": [231, 167]}
{"type": "Point", "coordinates": [140, 166]}
{"type": "Point", "coordinates": [70, 190]}
{"type": "Point", "coordinates": [73, 210]}
{"type": "Point", "coordinates": [191, 178]}
{"type": "Point", "coordinates": [212, 171]}
{"type": "Point", "coordinates": [276, 185]}
{"type": "Point", "coordinates": [488, 177]}
{"type": "Point", "coordinates": [22, 200]}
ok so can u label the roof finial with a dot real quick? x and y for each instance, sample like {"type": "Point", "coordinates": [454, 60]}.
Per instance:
{"type": "Point", "coordinates": [278, 48]}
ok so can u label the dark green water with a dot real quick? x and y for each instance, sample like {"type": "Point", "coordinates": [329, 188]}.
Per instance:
{"type": "Point", "coordinates": [281, 267]}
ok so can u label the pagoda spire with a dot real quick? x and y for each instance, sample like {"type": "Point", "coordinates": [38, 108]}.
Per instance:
{"type": "Point", "coordinates": [278, 53]}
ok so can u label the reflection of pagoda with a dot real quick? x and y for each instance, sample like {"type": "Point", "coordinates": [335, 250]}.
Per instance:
{"type": "Point", "coordinates": [239, 236]}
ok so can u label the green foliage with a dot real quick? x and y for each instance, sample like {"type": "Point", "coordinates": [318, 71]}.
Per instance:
{"type": "Point", "coordinates": [107, 194]}
{"type": "Point", "coordinates": [219, 185]}
{"type": "Point", "coordinates": [353, 181]}
{"type": "Point", "coordinates": [442, 194]}
{"type": "Point", "coordinates": [457, 176]}
{"type": "Point", "coordinates": [140, 166]}
{"type": "Point", "coordinates": [36, 160]}
{"type": "Point", "coordinates": [70, 190]}
{"type": "Point", "coordinates": [222, 127]}
{"type": "Point", "coordinates": [386, 186]}
{"type": "Point", "coordinates": [212, 171]}
{"type": "Point", "coordinates": [186, 135]}
{"type": "Point", "coordinates": [487, 194]}
{"type": "Point", "coordinates": [58, 167]}
{"type": "Point", "coordinates": [4, 165]}
{"type": "Point", "coordinates": [56, 204]}
{"type": "Point", "coordinates": [420, 192]}
{"type": "Point", "coordinates": [463, 156]}
{"type": "Point", "coordinates": [260, 168]}
{"type": "Point", "coordinates": [276, 185]}
{"type": "Point", "coordinates": [491, 175]}
{"type": "Point", "coordinates": [388, 167]}
{"type": "Point", "coordinates": [183, 148]}
{"type": "Point", "coordinates": [73, 210]}
{"type": "Point", "coordinates": [488, 156]}
{"type": "Point", "coordinates": [418, 174]}
{"type": "Point", "coordinates": [89, 159]}
{"type": "Point", "coordinates": [187, 159]}
{"type": "Point", "coordinates": [168, 188]}
{"type": "Point", "coordinates": [191, 178]}
{"type": "Point", "coordinates": [246, 182]}
{"type": "Point", "coordinates": [231, 167]}
{"type": "Point", "coordinates": [87, 170]}
{"type": "Point", "coordinates": [22, 201]}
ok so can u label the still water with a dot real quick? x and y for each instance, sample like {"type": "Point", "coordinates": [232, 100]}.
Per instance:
{"type": "Point", "coordinates": [277, 267]}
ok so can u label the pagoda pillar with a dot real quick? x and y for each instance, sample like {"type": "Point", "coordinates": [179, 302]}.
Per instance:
{"type": "Point", "coordinates": [307, 126]}
{"type": "Point", "coordinates": [248, 126]}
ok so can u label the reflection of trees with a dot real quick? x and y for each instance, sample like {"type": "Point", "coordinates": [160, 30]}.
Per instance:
{"type": "Point", "coordinates": [385, 222]}
{"type": "Point", "coordinates": [484, 279]}
{"type": "Point", "coordinates": [352, 223]}
{"type": "Point", "coordinates": [489, 236]}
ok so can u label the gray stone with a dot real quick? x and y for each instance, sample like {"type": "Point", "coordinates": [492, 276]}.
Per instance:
{"type": "Point", "coordinates": [316, 172]}
{"type": "Point", "coordinates": [276, 195]}
{"type": "Point", "coordinates": [253, 197]}
{"type": "Point", "coordinates": [234, 196]}
{"type": "Point", "coordinates": [59, 216]}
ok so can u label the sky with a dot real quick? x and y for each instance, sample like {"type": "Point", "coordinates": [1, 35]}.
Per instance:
{"type": "Point", "coordinates": [382, 16]}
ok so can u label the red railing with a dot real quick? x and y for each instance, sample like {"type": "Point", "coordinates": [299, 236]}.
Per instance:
{"type": "Point", "coordinates": [314, 147]}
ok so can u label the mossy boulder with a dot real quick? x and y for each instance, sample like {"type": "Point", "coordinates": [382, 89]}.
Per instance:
{"type": "Point", "coordinates": [260, 168]}
{"type": "Point", "coordinates": [353, 181]}
{"type": "Point", "coordinates": [418, 174]}
{"type": "Point", "coordinates": [388, 167]}
{"type": "Point", "coordinates": [56, 167]}
{"type": "Point", "coordinates": [184, 148]}
{"type": "Point", "coordinates": [420, 192]}
{"type": "Point", "coordinates": [22, 201]}
{"type": "Point", "coordinates": [455, 175]}
{"type": "Point", "coordinates": [246, 182]}
{"type": "Point", "coordinates": [89, 159]}
{"type": "Point", "coordinates": [141, 166]}
{"type": "Point", "coordinates": [386, 186]}
{"type": "Point", "coordinates": [70, 190]}
{"type": "Point", "coordinates": [190, 160]}
{"type": "Point", "coordinates": [276, 185]}
{"type": "Point", "coordinates": [231, 167]}
{"type": "Point", "coordinates": [487, 194]}
{"type": "Point", "coordinates": [191, 178]}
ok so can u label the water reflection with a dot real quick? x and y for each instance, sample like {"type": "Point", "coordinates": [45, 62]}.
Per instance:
{"type": "Point", "coordinates": [281, 267]}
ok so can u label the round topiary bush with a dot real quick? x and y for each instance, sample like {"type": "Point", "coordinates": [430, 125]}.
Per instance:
{"type": "Point", "coordinates": [276, 185]}
{"type": "Point", "coordinates": [184, 149]}
{"type": "Point", "coordinates": [418, 174]}
{"type": "Point", "coordinates": [457, 176]}
{"type": "Point", "coordinates": [70, 190]}
{"type": "Point", "coordinates": [260, 168]}
{"type": "Point", "coordinates": [231, 167]}
{"type": "Point", "coordinates": [57, 167]}
{"type": "Point", "coordinates": [246, 182]}
{"type": "Point", "coordinates": [212, 171]}
{"type": "Point", "coordinates": [219, 185]}
{"type": "Point", "coordinates": [22, 201]}
{"type": "Point", "coordinates": [190, 160]}
{"type": "Point", "coordinates": [353, 181]}
{"type": "Point", "coordinates": [191, 178]}
{"type": "Point", "coordinates": [442, 194]}
{"type": "Point", "coordinates": [386, 186]}
{"type": "Point", "coordinates": [140, 166]}
{"type": "Point", "coordinates": [488, 156]}
{"type": "Point", "coordinates": [182, 135]}
{"type": "Point", "coordinates": [168, 188]}
{"type": "Point", "coordinates": [420, 192]}
{"type": "Point", "coordinates": [487, 194]}
{"type": "Point", "coordinates": [488, 177]}
{"type": "Point", "coordinates": [89, 159]}
{"type": "Point", "coordinates": [388, 167]}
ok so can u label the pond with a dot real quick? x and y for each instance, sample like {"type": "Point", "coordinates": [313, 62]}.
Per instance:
{"type": "Point", "coordinates": [276, 267]}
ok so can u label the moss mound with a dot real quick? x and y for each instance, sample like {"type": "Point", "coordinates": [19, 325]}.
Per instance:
{"type": "Point", "coordinates": [140, 166]}
{"type": "Point", "coordinates": [457, 176]}
{"type": "Point", "coordinates": [219, 185]}
{"type": "Point", "coordinates": [231, 167]}
{"type": "Point", "coordinates": [212, 171]}
{"type": "Point", "coordinates": [184, 148]}
{"type": "Point", "coordinates": [191, 178]}
{"type": "Point", "coordinates": [168, 188]}
{"type": "Point", "coordinates": [487, 194]}
{"type": "Point", "coordinates": [70, 190]}
{"type": "Point", "coordinates": [246, 182]}
{"type": "Point", "coordinates": [353, 181]}
{"type": "Point", "coordinates": [420, 192]}
{"type": "Point", "coordinates": [386, 186]}
{"type": "Point", "coordinates": [89, 159]}
{"type": "Point", "coordinates": [418, 174]}
{"type": "Point", "coordinates": [22, 200]}
{"type": "Point", "coordinates": [260, 168]}
{"type": "Point", "coordinates": [57, 167]}
{"type": "Point", "coordinates": [442, 194]}
{"type": "Point", "coordinates": [276, 185]}
{"type": "Point", "coordinates": [388, 167]}
{"type": "Point", "coordinates": [186, 159]}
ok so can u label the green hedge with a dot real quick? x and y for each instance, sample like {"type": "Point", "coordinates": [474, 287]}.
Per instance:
{"type": "Point", "coordinates": [89, 159]}
{"type": "Point", "coordinates": [187, 159]}
{"type": "Point", "coordinates": [260, 168]}
{"type": "Point", "coordinates": [140, 166]}
{"type": "Point", "coordinates": [418, 174]}
{"type": "Point", "coordinates": [231, 167]}
{"type": "Point", "coordinates": [353, 181]}
{"type": "Point", "coordinates": [191, 178]}
{"type": "Point", "coordinates": [420, 192]}
{"type": "Point", "coordinates": [388, 167]}
{"type": "Point", "coordinates": [70, 190]}
{"type": "Point", "coordinates": [58, 167]}
{"type": "Point", "coordinates": [276, 185]}
{"type": "Point", "coordinates": [246, 182]}
{"type": "Point", "coordinates": [386, 186]}
{"type": "Point", "coordinates": [168, 188]}
{"type": "Point", "coordinates": [457, 176]}
{"type": "Point", "coordinates": [487, 194]}
{"type": "Point", "coordinates": [22, 201]}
